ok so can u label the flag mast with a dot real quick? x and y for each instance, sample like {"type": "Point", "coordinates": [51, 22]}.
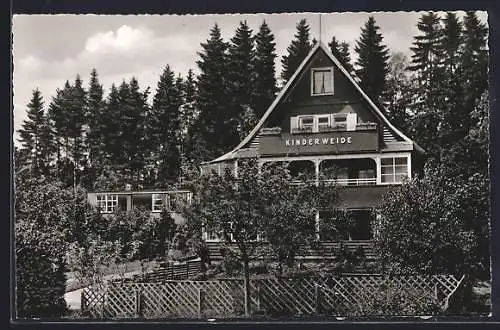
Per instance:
{"type": "Point", "coordinates": [319, 27]}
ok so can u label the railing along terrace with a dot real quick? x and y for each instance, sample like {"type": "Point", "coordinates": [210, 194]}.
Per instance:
{"type": "Point", "coordinates": [342, 182]}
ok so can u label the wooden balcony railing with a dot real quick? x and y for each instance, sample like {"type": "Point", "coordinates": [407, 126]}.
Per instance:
{"type": "Point", "coordinates": [343, 182]}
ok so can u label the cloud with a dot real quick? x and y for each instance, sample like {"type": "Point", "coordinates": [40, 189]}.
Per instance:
{"type": "Point", "coordinates": [125, 38]}
{"type": "Point", "coordinates": [125, 50]}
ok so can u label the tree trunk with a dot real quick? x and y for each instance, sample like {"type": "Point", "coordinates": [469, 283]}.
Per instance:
{"type": "Point", "coordinates": [246, 284]}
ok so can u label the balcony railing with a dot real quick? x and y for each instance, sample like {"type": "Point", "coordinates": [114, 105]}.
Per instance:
{"type": "Point", "coordinates": [342, 182]}
{"type": "Point", "coordinates": [334, 128]}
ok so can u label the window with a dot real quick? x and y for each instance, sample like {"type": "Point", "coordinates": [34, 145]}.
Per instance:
{"type": "Point", "coordinates": [322, 81]}
{"type": "Point", "coordinates": [306, 123]}
{"type": "Point", "coordinates": [157, 203]}
{"type": "Point", "coordinates": [394, 170]}
{"type": "Point", "coordinates": [340, 120]}
{"type": "Point", "coordinates": [323, 122]}
{"type": "Point", "coordinates": [107, 203]}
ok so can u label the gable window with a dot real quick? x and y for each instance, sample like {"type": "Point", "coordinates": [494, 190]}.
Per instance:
{"type": "Point", "coordinates": [157, 203]}
{"type": "Point", "coordinates": [107, 203]}
{"type": "Point", "coordinates": [394, 170]}
{"type": "Point", "coordinates": [322, 81]}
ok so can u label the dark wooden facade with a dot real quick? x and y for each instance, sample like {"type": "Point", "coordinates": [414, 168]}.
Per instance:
{"type": "Point", "coordinates": [340, 127]}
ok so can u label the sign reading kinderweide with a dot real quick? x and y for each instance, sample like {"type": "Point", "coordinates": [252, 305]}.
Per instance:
{"type": "Point", "coordinates": [318, 143]}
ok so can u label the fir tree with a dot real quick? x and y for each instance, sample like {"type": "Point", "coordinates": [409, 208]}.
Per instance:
{"type": "Point", "coordinates": [165, 128]}
{"type": "Point", "coordinates": [134, 107]}
{"type": "Point", "coordinates": [213, 130]}
{"type": "Point", "coordinates": [94, 119]}
{"type": "Point", "coordinates": [452, 96]}
{"type": "Point", "coordinates": [372, 61]}
{"type": "Point", "coordinates": [297, 51]}
{"type": "Point", "coordinates": [188, 108]}
{"type": "Point", "coordinates": [111, 127]}
{"type": "Point", "coordinates": [76, 112]}
{"type": "Point", "coordinates": [451, 42]}
{"type": "Point", "coordinates": [428, 105]}
{"type": "Point", "coordinates": [35, 137]}
{"type": "Point", "coordinates": [427, 49]}
{"type": "Point", "coordinates": [240, 74]}
{"type": "Point", "coordinates": [341, 53]}
{"type": "Point", "coordinates": [473, 71]}
{"type": "Point", "coordinates": [265, 73]}
{"type": "Point", "coordinates": [399, 96]}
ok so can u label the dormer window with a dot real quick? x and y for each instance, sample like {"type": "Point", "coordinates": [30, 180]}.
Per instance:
{"type": "Point", "coordinates": [322, 81]}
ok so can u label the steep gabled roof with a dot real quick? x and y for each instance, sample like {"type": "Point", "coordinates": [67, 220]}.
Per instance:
{"type": "Point", "coordinates": [291, 81]}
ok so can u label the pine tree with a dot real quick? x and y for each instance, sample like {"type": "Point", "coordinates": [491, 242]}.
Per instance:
{"type": "Point", "coordinates": [265, 73]}
{"type": "Point", "coordinates": [188, 108]}
{"type": "Point", "coordinates": [297, 51]}
{"type": "Point", "coordinates": [95, 112]}
{"type": "Point", "coordinates": [213, 131]}
{"type": "Point", "coordinates": [35, 137]}
{"type": "Point", "coordinates": [164, 128]}
{"type": "Point", "coordinates": [428, 104]}
{"type": "Point", "coordinates": [452, 94]}
{"type": "Point", "coordinates": [372, 61]}
{"type": "Point", "coordinates": [473, 71]}
{"type": "Point", "coordinates": [240, 74]}
{"type": "Point", "coordinates": [427, 49]}
{"type": "Point", "coordinates": [111, 127]}
{"type": "Point", "coordinates": [341, 53]}
{"type": "Point", "coordinates": [398, 99]}
{"type": "Point", "coordinates": [134, 108]}
{"type": "Point", "coordinates": [451, 42]}
{"type": "Point", "coordinates": [77, 110]}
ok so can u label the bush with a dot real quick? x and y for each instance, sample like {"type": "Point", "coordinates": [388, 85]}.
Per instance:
{"type": "Point", "coordinates": [40, 285]}
{"type": "Point", "coordinates": [396, 300]}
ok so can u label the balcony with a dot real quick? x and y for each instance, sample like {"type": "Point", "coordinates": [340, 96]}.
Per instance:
{"type": "Point", "coordinates": [368, 126]}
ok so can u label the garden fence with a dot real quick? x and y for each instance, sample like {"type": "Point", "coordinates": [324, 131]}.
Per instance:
{"type": "Point", "coordinates": [346, 295]}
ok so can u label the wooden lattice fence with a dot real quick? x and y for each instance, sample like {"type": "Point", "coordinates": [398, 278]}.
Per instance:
{"type": "Point", "coordinates": [346, 295]}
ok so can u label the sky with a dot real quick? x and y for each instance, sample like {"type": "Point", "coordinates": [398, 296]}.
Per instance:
{"type": "Point", "coordinates": [50, 49]}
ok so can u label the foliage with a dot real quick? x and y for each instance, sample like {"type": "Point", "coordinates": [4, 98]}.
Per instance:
{"type": "Point", "coordinates": [399, 96]}
{"type": "Point", "coordinates": [297, 51]}
{"type": "Point", "coordinates": [40, 283]}
{"type": "Point", "coordinates": [42, 214]}
{"type": "Point", "coordinates": [372, 66]}
{"type": "Point", "coordinates": [164, 123]}
{"type": "Point", "coordinates": [341, 52]}
{"type": "Point", "coordinates": [36, 138]}
{"type": "Point", "coordinates": [214, 116]}
{"type": "Point", "coordinates": [265, 72]}
{"type": "Point", "coordinates": [90, 260]}
{"type": "Point", "coordinates": [436, 225]}
{"type": "Point", "coordinates": [396, 300]}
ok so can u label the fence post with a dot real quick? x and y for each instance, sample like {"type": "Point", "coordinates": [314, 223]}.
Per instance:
{"type": "Point", "coordinates": [259, 295]}
{"type": "Point", "coordinates": [187, 269]}
{"type": "Point", "coordinates": [82, 300]}
{"type": "Point", "coordinates": [317, 293]}
{"type": "Point", "coordinates": [200, 302]}
{"type": "Point", "coordinates": [138, 303]}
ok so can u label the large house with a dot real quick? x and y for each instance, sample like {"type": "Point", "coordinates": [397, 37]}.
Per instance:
{"type": "Point", "coordinates": [323, 123]}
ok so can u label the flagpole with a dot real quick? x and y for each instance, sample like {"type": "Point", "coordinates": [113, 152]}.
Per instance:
{"type": "Point", "coordinates": [320, 27]}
